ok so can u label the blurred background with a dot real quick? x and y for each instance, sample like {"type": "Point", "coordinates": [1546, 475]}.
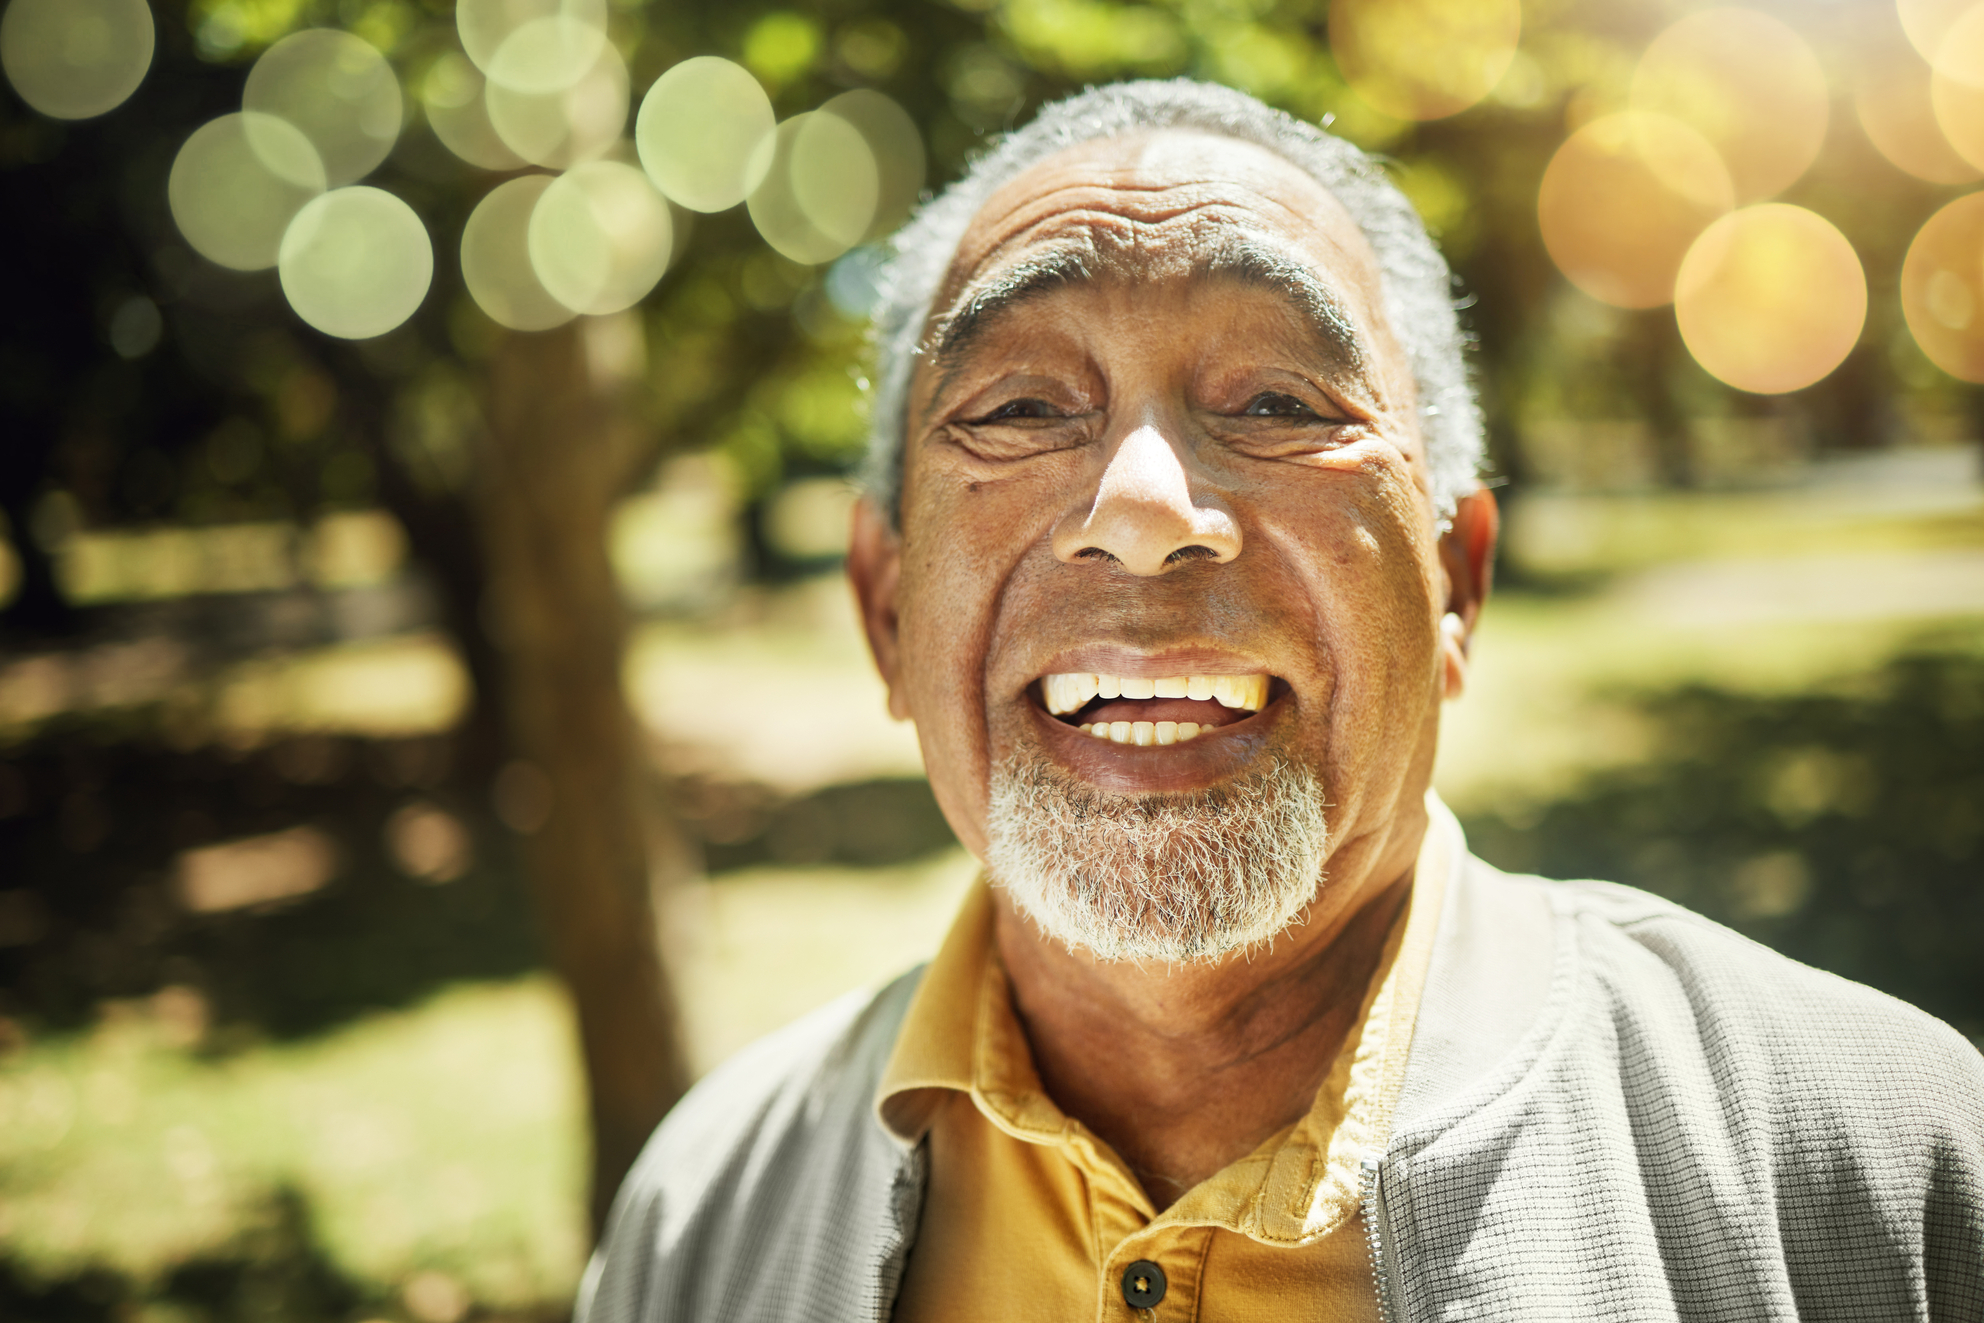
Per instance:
{"type": "Point", "coordinates": [433, 729]}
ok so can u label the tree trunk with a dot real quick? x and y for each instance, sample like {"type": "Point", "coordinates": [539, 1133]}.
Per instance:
{"type": "Point", "coordinates": [558, 451]}
{"type": "Point", "coordinates": [1656, 352]}
{"type": "Point", "coordinates": [37, 608]}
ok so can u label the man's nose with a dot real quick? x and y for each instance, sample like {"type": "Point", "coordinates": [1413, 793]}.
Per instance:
{"type": "Point", "coordinates": [1145, 516]}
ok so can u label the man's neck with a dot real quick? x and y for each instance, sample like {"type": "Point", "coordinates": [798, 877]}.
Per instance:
{"type": "Point", "coordinates": [1183, 1069]}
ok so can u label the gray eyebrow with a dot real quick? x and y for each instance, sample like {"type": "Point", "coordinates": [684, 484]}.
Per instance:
{"type": "Point", "coordinates": [1238, 257]}
{"type": "Point", "coordinates": [1007, 290]}
{"type": "Point", "coordinates": [1249, 261]}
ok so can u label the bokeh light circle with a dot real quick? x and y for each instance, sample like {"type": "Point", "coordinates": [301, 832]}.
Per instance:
{"type": "Point", "coordinates": [485, 25]}
{"type": "Point", "coordinates": [547, 54]}
{"type": "Point", "coordinates": [835, 179]}
{"type": "Point", "coordinates": [1927, 22]}
{"type": "Point", "coordinates": [237, 183]}
{"type": "Point", "coordinates": [75, 59]}
{"type": "Point", "coordinates": [451, 91]}
{"type": "Point", "coordinates": [1942, 288]}
{"type": "Point", "coordinates": [356, 262]}
{"type": "Point", "coordinates": [1770, 298]}
{"type": "Point", "coordinates": [699, 132]}
{"type": "Point", "coordinates": [559, 129]}
{"type": "Point", "coordinates": [1956, 86]}
{"type": "Point", "coordinates": [897, 149]}
{"type": "Point", "coordinates": [339, 90]}
{"type": "Point", "coordinates": [817, 172]}
{"type": "Point", "coordinates": [599, 237]}
{"type": "Point", "coordinates": [1623, 199]}
{"type": "Point", "coordinates": [1747, 83]}
{"type": "Point", "coordinates": [1424, 59]}
{"type": "Point", "coordinates": [496, 264]}
{"type": "Point", "coordinates": [1891, 96]}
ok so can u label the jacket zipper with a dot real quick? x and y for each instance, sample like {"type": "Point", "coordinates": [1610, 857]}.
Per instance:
{"type": "Point", "coordinates": [1374, 1237]}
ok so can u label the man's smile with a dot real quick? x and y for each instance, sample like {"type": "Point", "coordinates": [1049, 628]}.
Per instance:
{"type": "Point", "coordinates": [1147, 710]}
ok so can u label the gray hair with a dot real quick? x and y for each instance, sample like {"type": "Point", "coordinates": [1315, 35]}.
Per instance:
{"type": "Point", "coordinates": [1414, 277]}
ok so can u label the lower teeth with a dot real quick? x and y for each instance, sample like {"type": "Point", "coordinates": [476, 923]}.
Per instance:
{"type": "Point", "coordinates": [1143, 732]}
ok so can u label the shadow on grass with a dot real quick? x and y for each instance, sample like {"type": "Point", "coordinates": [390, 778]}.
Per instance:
{"type": "Point", "coordinates": [91, 824]}
{"type": "Point", "coordinates": [1846, 829]}
{"type": "Point", "coordinates": [271, 1271]}
{"type": "Point", "coordinates": [864, 824]}
{"type": "Point", "coordinates": [95, 823]}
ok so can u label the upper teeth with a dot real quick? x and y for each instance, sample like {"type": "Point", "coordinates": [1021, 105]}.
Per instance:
{"type": "Point", "coordinates": [1069, 692]}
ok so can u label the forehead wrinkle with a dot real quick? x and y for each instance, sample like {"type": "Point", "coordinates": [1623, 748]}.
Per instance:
{"type": "Point", "coordinates": [1091, 191]}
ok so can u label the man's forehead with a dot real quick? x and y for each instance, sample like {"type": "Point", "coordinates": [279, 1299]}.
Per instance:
{"type": "Point", "coordinates": [1163, 201]}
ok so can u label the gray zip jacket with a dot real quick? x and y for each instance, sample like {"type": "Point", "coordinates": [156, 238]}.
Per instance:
{"type": "Point", "coordinates": [1613, 1109]}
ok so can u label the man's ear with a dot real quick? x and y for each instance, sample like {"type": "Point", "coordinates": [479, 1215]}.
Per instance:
{"type": "Point", "coordinates": [1467, 554]}
{"type": "Point", "coordinates": [874, 567]}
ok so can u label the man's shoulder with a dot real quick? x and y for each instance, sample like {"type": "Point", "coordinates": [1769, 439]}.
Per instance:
{"type": "Point", "coordinates": [783, 1080]}
{"type": "Point", "coordinates": [778, 1149]}
{"type": "Point", "coordinates": [1827, 1058]}
{"type": "Point", "coordinates": [1588, 985]}
{"type": "Point", "coordinates": [1641, 941]}
{"type": "Point", "coordinates": [1680, 1111]}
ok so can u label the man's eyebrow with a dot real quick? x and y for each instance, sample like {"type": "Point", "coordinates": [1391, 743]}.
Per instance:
{"type": "Point", "coordinates": [1237, 257]}
{"type": "Point", "coordinates": [1015, 285]}
{"type": "Point", "coordinates": [1248, 260]}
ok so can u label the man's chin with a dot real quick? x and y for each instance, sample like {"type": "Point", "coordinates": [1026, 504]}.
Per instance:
{"type": "Point", "coordinates": [1175, 878]}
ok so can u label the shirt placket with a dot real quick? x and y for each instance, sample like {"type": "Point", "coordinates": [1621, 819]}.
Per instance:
{"type": "Point", "coordinates": [1178, 1254]}
{"type": "Point", "coordinates": [1129, 1242]}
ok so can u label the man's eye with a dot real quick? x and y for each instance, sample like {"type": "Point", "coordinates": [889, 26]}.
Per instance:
{"type": "Point", "coordinates": [1018, 409]}
{"type": "Point", "coordinates": [1274, 404]}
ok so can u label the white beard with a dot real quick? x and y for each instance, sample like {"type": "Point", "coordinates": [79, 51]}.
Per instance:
{"type": "Point", "coordinates": [1176, 878]}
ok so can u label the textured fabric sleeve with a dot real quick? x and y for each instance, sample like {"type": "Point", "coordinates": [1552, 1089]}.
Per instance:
{"type": "Point", "coordinates": [1698, 1129]}
{"type": "Point", "coordinates": [770, 1192]}
{"type": "Point", "coordinates": [1868, 1117]}
{"type": "Point", "coordinates": [1953, 1213]}
{"type": "Point", "coordinates": [1861, 1121]}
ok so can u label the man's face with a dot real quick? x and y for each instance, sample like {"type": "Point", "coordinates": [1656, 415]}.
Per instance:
{"type": "Point", "coordinates": [1164, 432]}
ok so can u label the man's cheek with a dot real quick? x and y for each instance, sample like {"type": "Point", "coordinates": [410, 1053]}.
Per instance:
{"type": "Point", "coordinates": [942, 619]}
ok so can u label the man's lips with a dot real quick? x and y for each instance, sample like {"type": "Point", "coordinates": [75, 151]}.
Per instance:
{"type": "Point", "coordinates": [1148, 710]}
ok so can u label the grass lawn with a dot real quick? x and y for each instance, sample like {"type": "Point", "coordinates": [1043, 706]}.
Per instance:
{"type": "Point", "coordinates": [445, 1139]}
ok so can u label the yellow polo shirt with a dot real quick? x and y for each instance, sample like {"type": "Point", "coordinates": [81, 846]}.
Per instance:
{"type": "Point", "coordinates": [1029, 1215]}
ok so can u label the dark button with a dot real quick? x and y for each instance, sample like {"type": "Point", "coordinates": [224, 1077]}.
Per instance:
{"type": "Point", "coordinates": [1143, 1284]}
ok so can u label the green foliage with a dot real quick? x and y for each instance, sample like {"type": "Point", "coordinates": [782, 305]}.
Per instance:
{"type": "Point", "coordinates": [1090, 39]}
{"type": "Point", "coordinates": [432, 430]}
{"type": "Point", "coordinates": [227, 29]}
{"type": "Point", "coordinates": [1442, 198]}
{"type": "Point", "coordinates": [781, 46]}
{"type": "Point", "coordinates": [820, 411]}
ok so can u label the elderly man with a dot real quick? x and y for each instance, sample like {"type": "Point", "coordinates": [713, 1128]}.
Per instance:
{"type": "Point", "coordinates": [1172, 552]}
